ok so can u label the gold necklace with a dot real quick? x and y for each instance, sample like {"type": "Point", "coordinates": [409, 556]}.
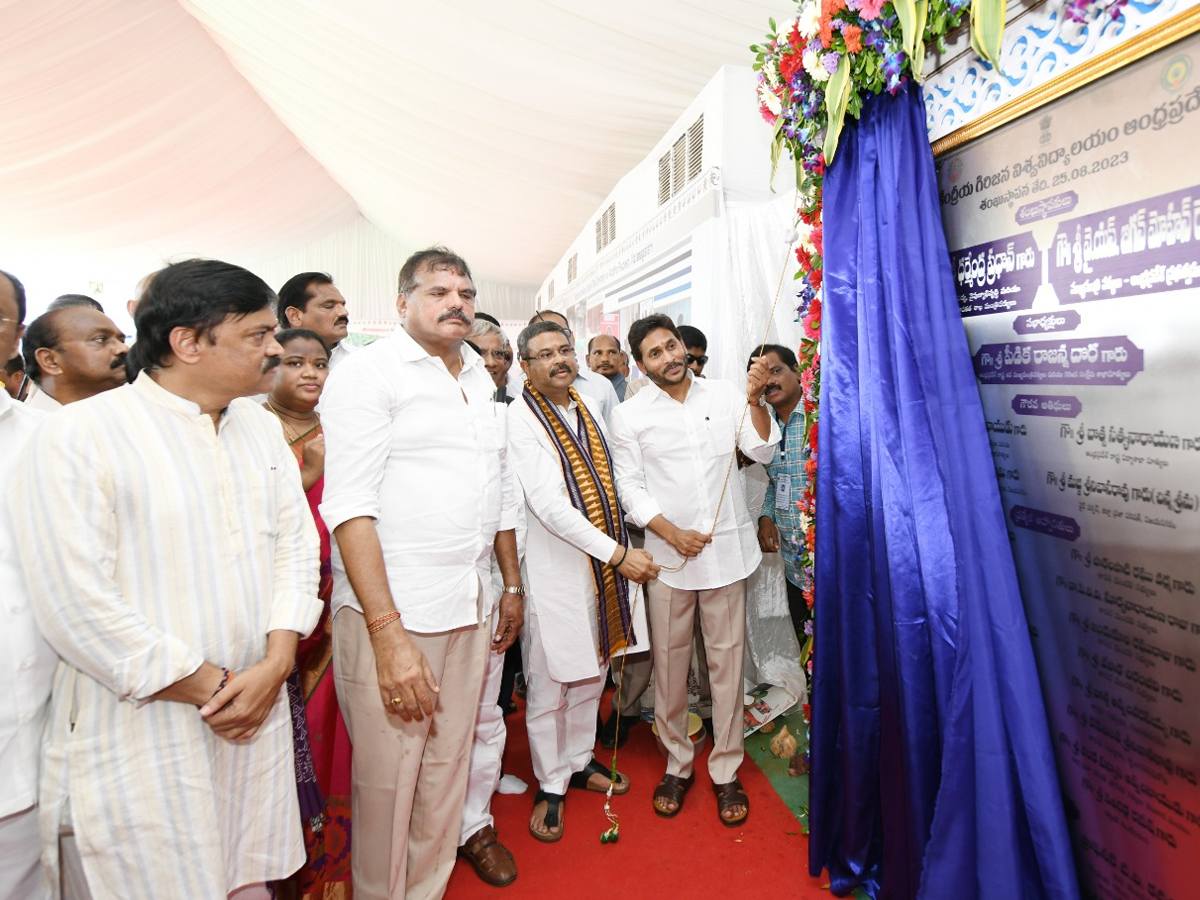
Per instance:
{"type": "Point", "coordinates": [288, 430]}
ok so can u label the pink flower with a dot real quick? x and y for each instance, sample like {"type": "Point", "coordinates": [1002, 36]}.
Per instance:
{"type": "Point", "coordinates": [870, 9]}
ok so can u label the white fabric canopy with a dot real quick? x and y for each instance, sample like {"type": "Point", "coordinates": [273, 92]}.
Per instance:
{"type": "Point", "coordinates": [252, 131]}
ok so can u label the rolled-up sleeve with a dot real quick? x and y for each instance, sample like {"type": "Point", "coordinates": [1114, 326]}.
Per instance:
{"type": "Point", "coordinates": [749, 442]}
{"type": "Point", "coordinates": [357, 419]}
{"type": "Point", "coordinates": [630, 471]}
{"type": "Point", "coordinates": [68, 551]}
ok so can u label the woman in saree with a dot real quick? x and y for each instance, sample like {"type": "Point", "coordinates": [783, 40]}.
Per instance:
{"type": "Point", "coordinates": [322, 742]}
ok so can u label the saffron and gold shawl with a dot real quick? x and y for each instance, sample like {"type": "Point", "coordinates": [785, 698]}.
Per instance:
{"type": "Point", "coordinates": [587, 469]}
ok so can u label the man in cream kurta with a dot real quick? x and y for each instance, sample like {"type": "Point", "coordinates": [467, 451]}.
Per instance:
{"type": "Point", "coordinates": [564, 666]}
{"type": "Point", "coordinates": [170, 553]}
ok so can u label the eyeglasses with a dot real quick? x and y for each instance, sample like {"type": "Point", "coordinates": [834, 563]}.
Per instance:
{"type": "Point", "coordinates": [5, 320]}
{"type": "Point", "coordinates": [495, 354]}
{"type": "Point", "coordinates": [699, 360]}
{"type": "Point", "coordinates": [550, 355]}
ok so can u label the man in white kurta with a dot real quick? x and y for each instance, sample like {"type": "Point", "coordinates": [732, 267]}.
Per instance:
{"type": "Point", "coordinates": [26, 661]}
{"type": "Point", "coordinates": [674, 448]}
{"type": "Point", "coordinates": [172, 562]}
{"type": "Point", "coordinates": [565, 660]}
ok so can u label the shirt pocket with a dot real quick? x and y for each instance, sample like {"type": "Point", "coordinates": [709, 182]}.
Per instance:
{"type": "Point", "coordinates": [719, 435]}
{"type": "Point", "coordinates": [489, 430]}
{"type": "Point", "coordinates": [263, 513]}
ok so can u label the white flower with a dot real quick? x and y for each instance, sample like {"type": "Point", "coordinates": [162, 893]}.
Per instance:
{"type": "Point", "coordinates": [769, 99]}
{"type": "Point", "coordinates": [770, 71]}
{"type": "Point", "coordinates": [814, 67]}
{"type": "Point", "coordinates": [809, 22]}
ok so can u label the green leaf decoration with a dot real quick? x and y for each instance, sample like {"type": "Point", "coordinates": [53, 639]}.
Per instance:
{"type": "Point", "coordinates": [916, 53]}
{"type": "Point", "coordinates": [906, 12]}
{"type": "Point", "coordinates": [837, 92]}
{"type": "Point", "coordinates": [987, 29]}
{"type": "Point", "coordinates": [776, 150]}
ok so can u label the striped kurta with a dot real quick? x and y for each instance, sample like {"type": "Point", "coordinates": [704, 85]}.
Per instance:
{"type": "Point", "coordinates": [154, 541]}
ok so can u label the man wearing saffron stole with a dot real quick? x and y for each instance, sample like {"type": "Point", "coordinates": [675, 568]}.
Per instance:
{"type": "Point", "coordinates": [578, 565]}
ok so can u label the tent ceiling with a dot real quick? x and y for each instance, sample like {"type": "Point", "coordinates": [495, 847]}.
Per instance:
{"type": "Point", "coordinates": [211, 125]}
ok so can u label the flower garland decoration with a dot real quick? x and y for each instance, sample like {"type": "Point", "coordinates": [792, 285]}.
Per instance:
{"type": "Point", "coordinates": [813, 72]}
{"type": "Point", "coordinates": [820, 66]}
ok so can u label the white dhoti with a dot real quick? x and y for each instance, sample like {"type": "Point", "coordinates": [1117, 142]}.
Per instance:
{"type": "Point", "coordinates": [560, 718]}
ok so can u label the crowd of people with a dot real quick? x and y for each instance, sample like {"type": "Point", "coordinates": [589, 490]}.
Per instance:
{"type": "Point", "coordinates": [263, 585]}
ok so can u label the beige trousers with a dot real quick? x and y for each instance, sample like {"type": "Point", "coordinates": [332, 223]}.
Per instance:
{"type": "Point", "coordinates": [722, 614]}
{"type": "Point", "coordinates": [409, 779]}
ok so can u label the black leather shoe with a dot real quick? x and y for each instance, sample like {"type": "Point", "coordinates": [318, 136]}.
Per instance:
{"type": "Point", "coordinates": [609, 735]}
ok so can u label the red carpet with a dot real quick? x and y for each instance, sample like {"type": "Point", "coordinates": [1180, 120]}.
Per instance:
{"type": "Point", "coordinates": [691, 855]}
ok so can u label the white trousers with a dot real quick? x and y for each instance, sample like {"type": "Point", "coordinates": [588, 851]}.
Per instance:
{"type": "Point", "coordinates": [487, 750]}
{"type": "Point", "coordinates": [560, 718]}
{"type": "Point", "coordinates": [21, 874]}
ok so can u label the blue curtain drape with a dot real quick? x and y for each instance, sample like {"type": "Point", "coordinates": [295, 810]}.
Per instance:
{"type": "Point", "coordinates": [932, 770]}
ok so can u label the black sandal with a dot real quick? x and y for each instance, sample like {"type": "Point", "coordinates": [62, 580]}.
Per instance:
{"type": "Point", "coordinates": [674, 789]}
{"type": "Point", "coordinates": [582, 779]}
{"type": "Point", "coordinates": [553, 817]}
{"type": "Point", "coordinates": [728, 795]}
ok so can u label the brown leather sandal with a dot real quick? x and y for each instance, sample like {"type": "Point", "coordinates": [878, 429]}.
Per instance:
{"type": "Point", "coordinates": [729, 795]}
{"type": "Point", "coordinates": [491, 859]}
{"type": "Point", "coordinates": [673, 789]}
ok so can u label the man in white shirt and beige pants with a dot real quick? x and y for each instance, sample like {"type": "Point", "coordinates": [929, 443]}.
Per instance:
{"type": "Point", "coordinates": [673, 443]}
{"type": "Point", "coordinates": [417, 494]}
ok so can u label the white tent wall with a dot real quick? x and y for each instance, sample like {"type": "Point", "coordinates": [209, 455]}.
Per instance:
{"type": "Point", "coordinates": [364, 262]}
{"type": "Point", "coordinates": [712, 255]}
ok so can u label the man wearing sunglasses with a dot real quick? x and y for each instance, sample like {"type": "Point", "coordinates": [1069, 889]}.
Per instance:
{"type": "Point", "coordinates": [697, 349]}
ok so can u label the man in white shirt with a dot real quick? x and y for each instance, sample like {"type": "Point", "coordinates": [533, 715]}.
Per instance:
{"type": "Point", "coordinates": [26, 660]}
{"type": "Point", "coordinates": [674, 445]}
{"type": "Point", "coordinates": [417, 494]}
{"type": "Point", "coordinates": [72, 353]}
{"type": "Point", "coordinates": [604, 358]}
{"type": "Point", "coordinates": [586, 382]}
{"type": "Point", "coordinates": [173, 563]}
{"type": "Point", "coordinates": [310, 300]}
{"type": "Point", "coordinates": [578, 560]}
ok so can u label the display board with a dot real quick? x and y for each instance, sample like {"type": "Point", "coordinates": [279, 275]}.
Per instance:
{"type": "Point", "coordinates": [1074, 232]}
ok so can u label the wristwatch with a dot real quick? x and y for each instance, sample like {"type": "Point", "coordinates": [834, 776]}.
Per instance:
{"type": "Point", "coordinates": [517, 589]}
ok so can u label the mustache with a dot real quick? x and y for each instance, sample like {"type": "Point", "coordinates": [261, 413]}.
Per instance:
{"type": "Point", "coordinates": [558, 370]}
{"type": "Point", "coordinates": [342, 320]}
{"type": "Point", "coordinates": [271, 362]}
{"type": "Point", "coordinates": [119, 362]}
{"type": "Point", "coordinates": [454, 314]}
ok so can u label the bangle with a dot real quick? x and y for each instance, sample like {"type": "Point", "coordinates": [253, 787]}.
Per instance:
{"type": "Point", "coordinates": [226, 677]}
{"type": "Point", "coordinates": [622, 559]}
{"type": "Point", "coordinates": [381, 622]}
{"type": "Point", "coordinates": [517, 589]}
